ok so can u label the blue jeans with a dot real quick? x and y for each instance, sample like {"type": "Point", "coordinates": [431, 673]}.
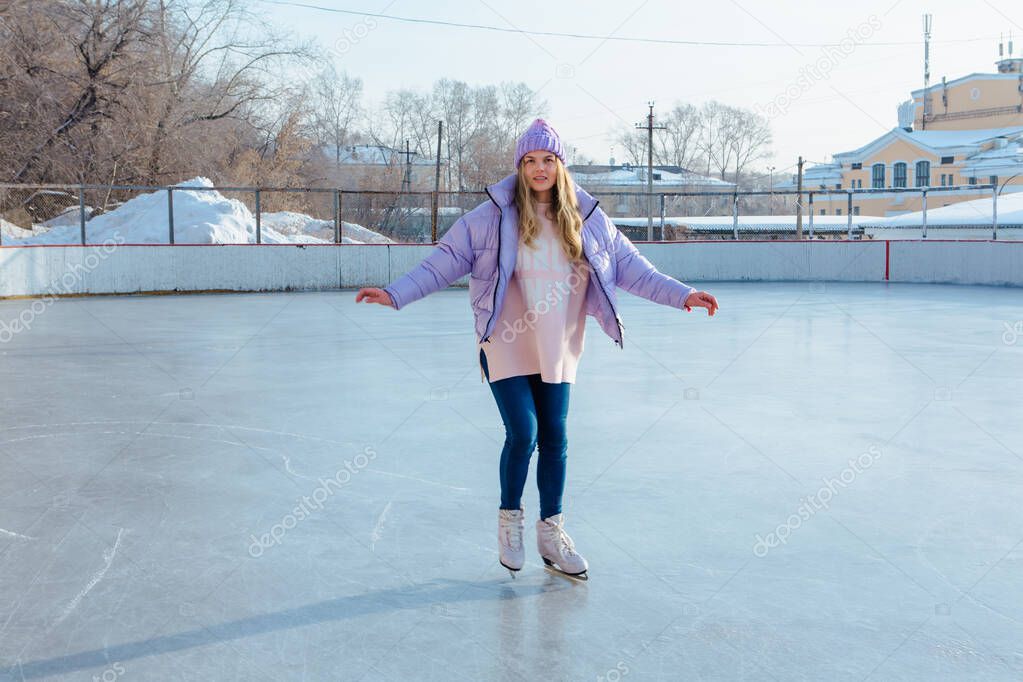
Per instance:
{"type": "Point", "coordinates": [534, 415]}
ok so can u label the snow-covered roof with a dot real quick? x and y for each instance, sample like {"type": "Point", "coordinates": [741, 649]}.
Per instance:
{"type": "Point", "coordinates": [814, 176]}
{"type": "Point", "coordinates": [374, 155]}
{"type": "Point", "coordinates": [763, 223]}
{"type": "Point", "coordinates": [635, 176]}
{"type": "Point", "coordinates": [936, 141]}
{"type": "Point", "coordinates": [937, 87]}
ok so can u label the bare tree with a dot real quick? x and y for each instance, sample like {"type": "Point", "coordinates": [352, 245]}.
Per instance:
{"type": "Point", "coordinates": [214, 57]}
{"type": "Point", "coordinates": [406, 115]}
{"type": "Point", "coordinates": [100, 37]}
{"type": "Point", "coordinates": [519, 106]}
{"type": "Point", "coordinates": [632, 145]}
{"type": "Point", "coordinates": [454, 103]}
{"type": "Point", "coordinates": [716, 137]}
{"type": "Point", "coordinates": [751, 139]}
{"type": "Point", "coordinates": [678, 144]}
{"type": "Point", "coordinates": [338, 105]}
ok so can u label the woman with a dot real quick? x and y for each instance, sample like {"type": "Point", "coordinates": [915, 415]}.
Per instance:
{"type": "Point", "coordinates": [540, 257]}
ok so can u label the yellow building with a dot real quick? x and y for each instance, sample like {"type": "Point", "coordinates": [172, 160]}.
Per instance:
{"type": "Point", "coordinates": [967, 131]}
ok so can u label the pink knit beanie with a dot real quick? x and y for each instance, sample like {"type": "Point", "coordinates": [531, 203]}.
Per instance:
{"type": "Point", "coordinates": [539, 135]}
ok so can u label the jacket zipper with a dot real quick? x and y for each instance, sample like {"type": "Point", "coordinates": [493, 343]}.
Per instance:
{"type": "Point", "coordinates": [493, 305]}
{"type": "Point", "coordinates": [621, 327]}
{"type": "Point", "coordinates": [497, 282]}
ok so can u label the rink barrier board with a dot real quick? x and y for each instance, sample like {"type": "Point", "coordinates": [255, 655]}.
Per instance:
{"type": "Point", "coordinates": [74, 270]}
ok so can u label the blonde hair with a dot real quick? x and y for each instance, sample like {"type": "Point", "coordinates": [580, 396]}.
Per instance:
{"type": "Point", "coordinates": [564, 206]}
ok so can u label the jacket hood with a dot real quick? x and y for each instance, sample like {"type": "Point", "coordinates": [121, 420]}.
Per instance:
{"type": "Point", "coordinates": [503, 194]}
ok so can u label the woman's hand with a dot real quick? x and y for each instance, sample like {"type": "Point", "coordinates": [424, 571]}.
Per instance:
{"type": "Point", "coordinates": [374, 295]}
{"type": "Point", "coordinates": [701, 299]}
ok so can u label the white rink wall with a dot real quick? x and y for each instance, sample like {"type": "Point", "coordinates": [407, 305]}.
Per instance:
{"type": "Point", "coordinates": [63, 270]}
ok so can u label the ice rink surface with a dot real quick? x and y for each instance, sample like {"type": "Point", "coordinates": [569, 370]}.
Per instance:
{"type": "Point", "coordinates": [822, 482]}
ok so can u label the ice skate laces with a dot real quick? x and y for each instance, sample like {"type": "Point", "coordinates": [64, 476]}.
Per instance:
{"type": "Point", "coordinates": [512, 531]}
{"type": "Point", "coordinates": [557, 532]}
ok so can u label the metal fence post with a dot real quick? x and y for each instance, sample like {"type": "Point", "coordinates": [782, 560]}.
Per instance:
{"type": "Point", "coordinates": [81, 211]}
{"type": "Point", "coordinates": [434, 210]}
{"type": "Point", "coordinates": [259, 231]}
{"type": "Point", "coordinates": [662, 217]}
{"type": "Point", "coordinates": [170, 213]}
{"type": "Point", "coordinates": [811, 215]}
{"type": "Point", "coordinates": [337, 217]}
{"type": "Point", "coordinates": [994, 212]}
{"type": "Point", "coordinates": [735, 217]}
{"type": "Point", "coordinates": [923, 207]}
{"type": "Point", "coordinates": [848, 218]}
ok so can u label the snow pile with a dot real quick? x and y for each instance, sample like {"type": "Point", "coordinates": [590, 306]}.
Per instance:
{"type": "Point", "coordinates": [292, 224]}
{"type": "Point", "coordinates": [12, 232]}
{"type": "Point", "coordinates": [200, 217]}
{"type": "Point", "coordinates": [70, 216]}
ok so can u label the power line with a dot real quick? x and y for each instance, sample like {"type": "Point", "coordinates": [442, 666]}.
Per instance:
{"type": "Point", "coordinates": [585, 36]}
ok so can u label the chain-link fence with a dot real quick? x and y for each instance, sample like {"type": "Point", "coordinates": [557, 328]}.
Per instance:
{"type": "Point", "coordinates": [206, 214]}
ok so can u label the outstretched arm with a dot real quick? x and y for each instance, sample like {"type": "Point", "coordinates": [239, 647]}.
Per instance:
{"type": "Point", "coordinates": [449, 260]}
{"type": "Point", "coordinates": [639, 277]}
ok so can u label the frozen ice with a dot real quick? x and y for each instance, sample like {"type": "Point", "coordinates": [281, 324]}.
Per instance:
{"type": "Point", "coordinates": [821, 482]}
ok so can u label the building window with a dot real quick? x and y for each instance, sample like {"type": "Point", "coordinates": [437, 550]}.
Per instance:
{"type": "Point", "coordinates": [838, 185]}
{"type": "Point", "coordinates": [993, 179]}
{"type": "Point", "coordinates": [942, 179]}
{"type": "Point", "coordinates": [899, 175]}
{"type": "Point", "coordinates": [856, 210]}
{"type": "Point", "coordinates": [657, 176]}
{"type": "Point", "coordinates": [857, 166]}
{"type": "Point", "coordinates": [838, 211]}
{"type": "Point", "coordinates": [973, 180]}
{"type": "Point", "coordinates": [945, 160]}
{"type": "Point", "coordinates": [923, 173]}
{"type": "Point", "coordinates": [823, 212]}
{"type": "Point", "coordinates": [877, 176]}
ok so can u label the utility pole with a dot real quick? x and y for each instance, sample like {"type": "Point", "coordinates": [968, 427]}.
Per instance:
{"type": "Point", "coordinates": [650, 128]}
{"type": "Point", "coordinates": [406, 180]}
{"type": "Point", "coordinates": [927, 71]}
{"type": "Point", "coordinates": [770, 190]}
{"type": "Point", "coordinates": [799, 199]}
{"type": "Point", "coordinates": [436, 185]}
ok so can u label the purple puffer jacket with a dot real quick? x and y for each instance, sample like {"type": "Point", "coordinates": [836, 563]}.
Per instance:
{"type": "Point", "coordinates": [483, 243]}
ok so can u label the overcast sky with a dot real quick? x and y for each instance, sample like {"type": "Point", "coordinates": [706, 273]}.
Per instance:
{"type": "Point", "coordinates": [592, 86]}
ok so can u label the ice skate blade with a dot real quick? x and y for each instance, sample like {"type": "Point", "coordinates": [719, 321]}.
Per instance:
{"type": "Point", "coordinates": [582, 577]}
{"type": "Point", "coordinates": [511, 571]}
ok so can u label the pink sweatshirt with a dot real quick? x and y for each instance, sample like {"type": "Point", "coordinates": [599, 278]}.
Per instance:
{"type": "Point", "coordinates": [541, 328]}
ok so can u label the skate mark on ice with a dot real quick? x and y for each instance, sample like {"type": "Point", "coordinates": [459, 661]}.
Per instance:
{"type": "Point", "coordinates": [108, 560]}
{"type": "Point", "coordinates": [17, 536]}
{"type": "Point", "coordinates": [376, 534]}
{"type": "Point", "coordinates": [287, 467]}
{"type": "Point", "coordinates": [421, 480]}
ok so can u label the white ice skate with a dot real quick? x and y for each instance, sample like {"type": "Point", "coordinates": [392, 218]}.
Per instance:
{"type": "Point", "coordinates": [511, 526]}
{"type": "Point", "coordinates": [557, 550]}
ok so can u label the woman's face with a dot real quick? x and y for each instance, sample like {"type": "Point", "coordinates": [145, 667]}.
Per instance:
{"type": "Point", "coordinates": [540, 169]}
